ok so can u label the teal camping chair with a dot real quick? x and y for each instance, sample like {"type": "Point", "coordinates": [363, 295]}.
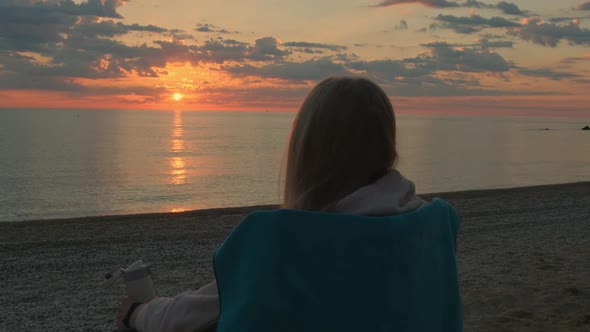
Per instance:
{"type": "Point", "coordinates": [288, 270]}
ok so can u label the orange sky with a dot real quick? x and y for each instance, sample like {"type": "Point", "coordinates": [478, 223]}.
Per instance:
{"type": "Point", "coordinates": [433, 57]}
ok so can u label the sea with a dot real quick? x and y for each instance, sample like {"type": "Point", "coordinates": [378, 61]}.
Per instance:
{"type": "Point", "coordinates": [73, 163]}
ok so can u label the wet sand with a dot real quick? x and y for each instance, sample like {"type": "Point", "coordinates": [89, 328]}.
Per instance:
{"type": "Point", "coordinates": [524, 261]}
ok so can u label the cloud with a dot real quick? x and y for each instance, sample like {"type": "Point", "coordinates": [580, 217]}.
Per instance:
{"type": "Point", "coordinates": [548, 73]}
{"type": "Point", "coordinates": [73, 40]}
{"type": "Point", "coordinates": [331, 47]}
{"type": "Point", "coordinates": [576, 59]}
{"type": "Point", "coordinates": [584, 6]}
{"type": "Point", "coordinates": [103, 58]}
{"type": "Point", "coordinates": [100, 8]}
{"type": "Point", "coordinates": [15, 72]}
{"type": "Point", "coordinates": [310, 70]}
{"type": "Point", "coordinates": [178, 34]}
{"type": "Point", "coordinates": [473, 23]}
{"type": "Point", "coordinates": [11, 80]}
{"type": "Point", "coordinates": [390, 70]}
{"type": "Point", "coordinates": [549, 34]}
{"type": "Point", "coordinates": [220, 51]}
{"type": "Point", "coordinates": [410, 76]}
{"type": "Point", "coordinates": [476, 4]}
{"type": "Point", "coordinates": [492, 36]}
{"type": "Point", "coordinates": [205, 27]}
{"type": "Point", "coordinates": [482, 43]}
{"type": "Point", "coordinates": [431, 27]}
{"type": "Point", "coordinates": [103, 8]}
{"type": "Point", "coordinates": [445, 57]}
{"type": "Point", "coordinates": [510, 8]}
{"type": "Point", "coordinates": [505, 7]}
{"type": "Point", "coordinates": [267, 48]}
{"type": "Point", "coordinates": [403, 26]}
{"type": "Point", "coordinates": [575, 20]}
{"type": "Point", "coordinates": [32, 29]}
{"type": "Point", "coordinates": [420, 75]}
{"type": "Point", "coordinates": [494, 22]}
{"type": "Point", "coordinates": [485, 43]}
{"type": "Point", "coordinates": [58, 45]}
{"type": "Point", "coordinates": [32, 76]}
{"type": "Point", "coordinates": [428, 3]}
{"type": "Point", "coordinates": [42, 26]}
{"type": "Point", "coordinates": [69, 42]}
{"type": "Point", "coordinates": [93, 27]}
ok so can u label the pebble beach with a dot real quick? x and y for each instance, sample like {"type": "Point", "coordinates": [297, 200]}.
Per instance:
{"type": "Point", "coordinates": [523, 253]}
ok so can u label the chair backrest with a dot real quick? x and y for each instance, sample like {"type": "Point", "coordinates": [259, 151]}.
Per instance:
{"type": "Point", "coordinates": [287, 270]}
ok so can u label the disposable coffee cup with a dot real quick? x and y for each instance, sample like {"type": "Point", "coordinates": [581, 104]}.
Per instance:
{"type": "Point", "coordinates": [139, 282]}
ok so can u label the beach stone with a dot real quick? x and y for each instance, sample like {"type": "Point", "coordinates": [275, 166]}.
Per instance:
{"type": "Point", "coordinates": [522, 258]}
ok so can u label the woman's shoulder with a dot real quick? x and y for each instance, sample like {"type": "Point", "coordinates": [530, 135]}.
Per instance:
{"type": "Point", "coordinates": [436, 207]}
{"type": "Point", "coordinates": [440, 204]}
{"type": "Point", "coordinates": [440, 207]}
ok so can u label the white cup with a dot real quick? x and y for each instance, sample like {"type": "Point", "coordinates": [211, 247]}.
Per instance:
{"type": "Point", "coordinates": [139, 282]}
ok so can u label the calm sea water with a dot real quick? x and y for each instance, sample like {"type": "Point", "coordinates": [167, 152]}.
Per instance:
{"type": "Point", "coordinates": [70, 163]}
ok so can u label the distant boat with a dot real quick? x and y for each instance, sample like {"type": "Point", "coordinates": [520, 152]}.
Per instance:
{"type": "Point", "coordinates": [586, 128]}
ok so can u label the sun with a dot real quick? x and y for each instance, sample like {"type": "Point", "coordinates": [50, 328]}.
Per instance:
{"type": "Point", "coordinates": [177, 96]}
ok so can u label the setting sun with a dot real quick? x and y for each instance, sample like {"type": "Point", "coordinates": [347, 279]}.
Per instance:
{"type": "Point", "coordinates": [177, 96]}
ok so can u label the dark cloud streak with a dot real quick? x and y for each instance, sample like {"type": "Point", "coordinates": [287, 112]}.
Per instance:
{"type": "Point", "coordinates": [548, 73]}
{"type": "Point", "coordinates": [510, 8]}
{"type": "Point", "coordinates": [331, 47]}
{"type": "Point", "coordinates": [205, 27]}
{"type": "Point", "coordinates": [505, 7]}
{"type": "Point", "coordinates": [428, 3]}
{"type": "Point", "coordinates": [92, 27]}
{"type": "Point", "coordinates": [473, 23]}
{"type": "Point", "coordinates": [403, 26]}
{"type": "Point", "coordinates": [549, 34]}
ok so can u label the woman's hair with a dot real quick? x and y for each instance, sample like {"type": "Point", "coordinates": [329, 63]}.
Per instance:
{"type": "Point", "coordinates": [343, 138]}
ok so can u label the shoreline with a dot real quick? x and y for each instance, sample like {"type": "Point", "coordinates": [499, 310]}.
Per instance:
{"type": "Point", "coordinates": [522, 254]}
{"type": "Point", "coordinates": [252, 208]}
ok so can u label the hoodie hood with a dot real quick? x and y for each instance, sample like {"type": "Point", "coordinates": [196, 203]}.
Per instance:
{"type": "Point", "coordinates": [391, 194]}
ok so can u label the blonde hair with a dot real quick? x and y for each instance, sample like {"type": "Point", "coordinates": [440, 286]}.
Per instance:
{"type": "Point", "coordinates": [343, 138]}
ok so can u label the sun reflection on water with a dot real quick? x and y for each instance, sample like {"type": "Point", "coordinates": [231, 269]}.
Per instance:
{"type": "Point", "coordinates": [177, 162]}
{"type": "Point", "coordinates": [177, 145]}
{"type": "Point", "coordinates": [178, 171]}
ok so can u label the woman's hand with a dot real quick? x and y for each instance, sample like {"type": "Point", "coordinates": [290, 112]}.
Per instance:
{"type": "Point", "coordinates": [123, 309]}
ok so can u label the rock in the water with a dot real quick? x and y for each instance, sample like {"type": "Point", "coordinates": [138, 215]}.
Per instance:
{"type": "Point", "coordinates": [586, 128]}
